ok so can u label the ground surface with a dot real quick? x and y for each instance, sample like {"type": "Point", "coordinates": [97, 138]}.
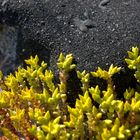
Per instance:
{"type": "Point", "coordinates": [96, 32]}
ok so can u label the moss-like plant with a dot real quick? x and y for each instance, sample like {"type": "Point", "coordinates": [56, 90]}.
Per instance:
{"type": "Point", "coordinates": [134, 61]}
{"type": "Point", "coordinates": [33, 106]}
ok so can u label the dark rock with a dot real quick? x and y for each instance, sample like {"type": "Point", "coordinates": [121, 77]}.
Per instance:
{"type": "Point", "coordinates": [98, 37]}
{"type": "Point", "coordinates": [8, 43]}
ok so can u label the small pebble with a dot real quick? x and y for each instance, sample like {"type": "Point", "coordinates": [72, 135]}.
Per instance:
{"type": "Point", "coordinates": [86, 14]}
{"type": "Point", "coordinates": [89, 23]}
{"type": "Point", "coordinates": [83, 25]}
{"type": "Point", "coordinates": [80, 25]}
{"type": "Point", "coordinates": [83, 28]}
{"type": "Point", "coordinates": [4, 3]}
{"type": "Point", "coordinates": [42, 23]}
{"type": "Point", "coordinates": [103, 3]}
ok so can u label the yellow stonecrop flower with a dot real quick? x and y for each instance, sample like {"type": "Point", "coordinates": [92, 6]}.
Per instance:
{"type": "Point", "coordinates": [34, 106]}
{"type": "Point", "coordinates": [17, 115]}
{"type": "Point", "coordinates": [65, 63]}
{"type": "Point", "coordinates": [106, 74]}
{"type": "Point", "coordinates": [133, 61]}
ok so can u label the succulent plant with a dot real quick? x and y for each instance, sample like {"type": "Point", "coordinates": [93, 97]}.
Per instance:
{"type": "Point", "coordinates": [33, 106]}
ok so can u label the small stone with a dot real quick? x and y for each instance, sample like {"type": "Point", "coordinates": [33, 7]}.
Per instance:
{"type": "Point", "coordinates": [4, 2]}
{"type": "Point", "coordinates": [104, 2]}
{"type": "Point", "coordinates": [86, 14]}
{"type": "Point", "coordinates": [80, 25]}
{"type": "Point", "coordinates": [89, 23]}
{"type": "Point", "coordinates": [42, 23]}
{"type": "Point", "coordinates": [83, 28]}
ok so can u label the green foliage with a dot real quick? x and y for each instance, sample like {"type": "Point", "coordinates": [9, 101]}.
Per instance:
{"type": "Point", "coordinates": [33, 106]}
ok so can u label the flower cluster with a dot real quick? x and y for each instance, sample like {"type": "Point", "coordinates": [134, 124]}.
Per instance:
{"type": "Point", "coordinates": [34, 106]}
